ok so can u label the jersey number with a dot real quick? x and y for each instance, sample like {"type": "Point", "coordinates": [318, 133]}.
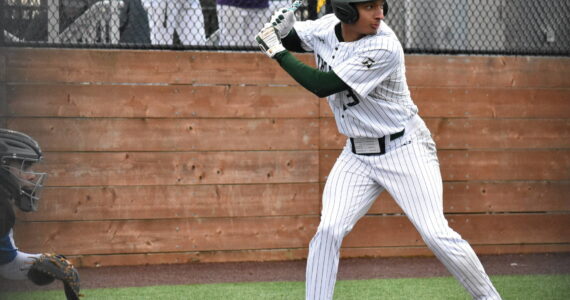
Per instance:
{"type": "Point", "coordinates": [355, 100]}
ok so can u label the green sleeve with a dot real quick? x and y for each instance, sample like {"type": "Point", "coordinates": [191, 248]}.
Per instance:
{"type": "Point", "coordinates": [317, 82]}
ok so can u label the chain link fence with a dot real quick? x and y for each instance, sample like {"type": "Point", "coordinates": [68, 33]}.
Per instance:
{"type": "Point", "coordinates": [506, 27]}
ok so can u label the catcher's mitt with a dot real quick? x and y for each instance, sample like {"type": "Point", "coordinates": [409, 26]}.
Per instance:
{"type": "Point", "coordinates": [49, 267]}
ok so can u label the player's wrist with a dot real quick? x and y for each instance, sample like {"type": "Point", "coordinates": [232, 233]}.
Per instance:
{"type": "Point", "coordinates": [280, 55]}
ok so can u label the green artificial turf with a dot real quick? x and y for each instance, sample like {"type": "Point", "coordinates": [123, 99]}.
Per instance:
{"type": "Point", "coordinates": [512, 287]}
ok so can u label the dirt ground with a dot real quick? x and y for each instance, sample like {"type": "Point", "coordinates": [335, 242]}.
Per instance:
{"type": "Point", "coordinates": [361, 268]}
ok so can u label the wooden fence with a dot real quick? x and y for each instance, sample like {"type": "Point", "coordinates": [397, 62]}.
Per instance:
{"type": "Point", "coordinates": [172, 157]}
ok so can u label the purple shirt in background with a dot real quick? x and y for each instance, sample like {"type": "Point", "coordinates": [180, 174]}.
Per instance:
{"type": "Point", "coordinates": [246, 3]}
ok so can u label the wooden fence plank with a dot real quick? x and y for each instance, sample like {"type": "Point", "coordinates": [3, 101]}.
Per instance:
{"type": "Point", "coordinates": [2, 66]}
{"type": "Point", "coordinates": [479, 249]}
{"type": "Point", "coordinates": [147, 236]}
{"type": "Point", "coordinates": [501, 133]}
{"type": "Point", "coordinates": [109, 134]}
{"type": "Point", "coordinates": [154, 101]}
{"type": "Point", "coordinates": [458, 165]}
{"type": "Point", "coordinates": [488, 71]}
{"type": "Point", "coordinates": [290, 254]}
{"type": "Point", "coordinates": [505, 165]}
{"type": "Point", "coordinates": [374, 231]}
{"type": "Point", "coordinates": [183, 201]}
{"type": "Point", "coordinates": [63, 65]}
{"type": "Point", "coordinates": [478, 133]}
{"type": "Point", "coordinates": [492, 102]}
{"type": "Point", "coordinates": [172, 168]}
{"type": "Point", "coordinates": [482, 102]}
{"type": "Point", "coordinates": [476, 197]}
{"type": "Point", "coordinates": [3, 100]}
{"type": "Point", "coordinates": [206, 201]}
{"type": "Point", "coordinates": [4, 114]}
{"type": "Point", "coordinates": [124, 66]}
{"type": "Point", "coordinates": [213, 156]}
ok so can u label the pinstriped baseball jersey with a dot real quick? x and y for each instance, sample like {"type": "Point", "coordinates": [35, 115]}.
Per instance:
{"type": "Point", "coordinates": [379, 101]}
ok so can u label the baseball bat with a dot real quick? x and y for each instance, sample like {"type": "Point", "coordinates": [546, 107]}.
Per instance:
{"type": "Point", "coordinates": [295, 5]}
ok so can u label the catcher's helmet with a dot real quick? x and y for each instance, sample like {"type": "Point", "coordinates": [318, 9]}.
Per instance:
{"type": "Point", "coordinates": [18, 152]}
{"type": "Point", "coordinates": [347, 13]}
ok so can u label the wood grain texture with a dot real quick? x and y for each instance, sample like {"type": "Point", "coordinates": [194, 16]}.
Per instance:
{"type": "Point", "coordinates": [3, 100]}
{"type": "Point", "coordinates": [176, 202]}
{"type": "Point", "coordinates": [2, 65]}
{"type": "Point", "coordinates": [110, 134]}
{"type": "Point", "coordinates": [374, 231]}
{"type": "Point", "coordinates": [86, 261]}
{"type": "Point", "coordinates": [124, 66]}
{"type": "Point", "coordinates": [478, 133]}
{"type": "Point", "coordinates": [161, 101]}
{"type": "Point", "coordinates": [493, 197]}
{"type": "Point", "coordinates": [176, 157]}
{"type": "Point", "coordinates": [488, 71]}
{"type": "Point", "coordinates": [485, 102]}
{"type": "Point", "coordinates": [64, 65]}
{"type": "Point", "coordinates": [488, 165]}
{"type": "Point", "coordinates": [256, 200]}
{"type": "Point", "coordinates": [166, 235]}
{"type": "Point", "coordinates": [173, 168]}
{"type": "Point", "coordinates": [4, 114]}
{"type": "Point", "coordinates": [215, 234]}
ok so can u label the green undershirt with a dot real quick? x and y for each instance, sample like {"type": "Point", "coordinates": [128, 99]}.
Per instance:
{"type": "Point", "coordinates": [318, 82]}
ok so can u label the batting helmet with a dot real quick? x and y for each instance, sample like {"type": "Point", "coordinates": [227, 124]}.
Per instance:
{"type": "Point", "coordinates": [347, 13]}
{"type": "Point", "coordinates": [16, 180]}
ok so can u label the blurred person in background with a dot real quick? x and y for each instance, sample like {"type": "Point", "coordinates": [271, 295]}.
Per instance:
{"type": "Point", "coordinates": [133, 27]}
{"type": "Point", "coordinates": [183, 17]}
{"type": "Point", "coordinates": [240, 20]}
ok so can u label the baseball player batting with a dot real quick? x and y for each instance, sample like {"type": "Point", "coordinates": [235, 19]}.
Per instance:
{"type": "Point", "coordinates": [361, 71]}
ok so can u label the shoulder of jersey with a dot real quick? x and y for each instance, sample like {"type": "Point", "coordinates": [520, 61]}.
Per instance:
{"type": "Point", "coordinates": [386, 30]}
{"type": "Point", "coordinates": [328, 18]}
{"type": "Point", "coordinates": [385, 38]}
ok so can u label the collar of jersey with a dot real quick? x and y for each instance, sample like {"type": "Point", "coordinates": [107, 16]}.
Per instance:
{"type": "Point", "coordinates": [338, 32]}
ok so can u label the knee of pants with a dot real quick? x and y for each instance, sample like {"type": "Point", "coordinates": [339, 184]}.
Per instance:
{"type": "Point", "coordinates": [330, 232]}
{"type": "Point", "coordinates": [439, 237]}
{"type": "Point", "coordinates": [18, 268]}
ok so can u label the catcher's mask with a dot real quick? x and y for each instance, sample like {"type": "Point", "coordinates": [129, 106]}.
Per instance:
{"type": "Point", "coordinates": [346, 12]}
{"type": "Point", "coordinates": [18, 152]}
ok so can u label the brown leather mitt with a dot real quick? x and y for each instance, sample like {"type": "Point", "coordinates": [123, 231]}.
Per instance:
{"type": "Point", "coordinates": [49, 267]}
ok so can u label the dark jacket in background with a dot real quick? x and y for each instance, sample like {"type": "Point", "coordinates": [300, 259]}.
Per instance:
{"type": "Point", "coordinates": [134, 26]}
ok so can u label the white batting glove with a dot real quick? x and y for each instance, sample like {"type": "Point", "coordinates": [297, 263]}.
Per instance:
{"type": "Point", "coordinates": [283, 20]}
{"type": "Point", "coordinates": [269, 41]}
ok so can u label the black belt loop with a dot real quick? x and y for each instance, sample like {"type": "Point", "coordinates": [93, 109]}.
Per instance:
{"type": "Point", "coordinates": [382, 142]}
{"type": "Point", "coordinates": [397, 135]}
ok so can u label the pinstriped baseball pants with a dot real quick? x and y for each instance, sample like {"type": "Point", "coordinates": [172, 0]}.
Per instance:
{"type": "Point", "coordinates": [409, 171]}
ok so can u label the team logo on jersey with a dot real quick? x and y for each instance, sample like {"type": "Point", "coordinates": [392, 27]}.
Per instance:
{"type": "Point", "coordinates": [368, 62]}
{"type": "Point", "coordinates": [322, 64]}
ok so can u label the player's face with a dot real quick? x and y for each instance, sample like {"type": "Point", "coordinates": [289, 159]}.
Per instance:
{"type": "Point", "coordinates": [22, 171]}
{"type": "Point", "coordinates": [370, 15]}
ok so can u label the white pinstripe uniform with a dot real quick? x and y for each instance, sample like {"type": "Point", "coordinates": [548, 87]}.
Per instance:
{"type": "Point", "coordinates": [379, 105]}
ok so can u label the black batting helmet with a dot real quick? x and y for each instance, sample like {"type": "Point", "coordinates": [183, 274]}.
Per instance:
{"type": "Point", "coordinates": [345, 11]}
{"type": "Point", "coordinates": [18, 152]}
